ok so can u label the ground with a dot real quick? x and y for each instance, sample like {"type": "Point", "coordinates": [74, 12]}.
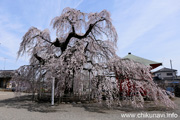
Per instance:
{"type": "Point", "coordinates": [14, 106]}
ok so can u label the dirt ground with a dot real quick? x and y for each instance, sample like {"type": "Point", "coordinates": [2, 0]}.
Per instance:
{"type": "Point", "coordinates": [14, 106]}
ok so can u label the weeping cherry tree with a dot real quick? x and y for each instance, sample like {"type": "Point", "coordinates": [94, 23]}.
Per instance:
{"type": "Point", "coordinates": [84, 40]}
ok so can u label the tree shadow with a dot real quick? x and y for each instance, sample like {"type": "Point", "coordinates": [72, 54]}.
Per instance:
{"type": "Point", "coordinates": [25, 102]}
{"type": "Point", "coordinates": [102, 108]}
{"type": "Point", "coordinates": [144, 109]}
{"type": "Point", "coordinates": [92, 107]}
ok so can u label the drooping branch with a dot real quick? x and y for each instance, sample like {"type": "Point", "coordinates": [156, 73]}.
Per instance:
{"type": "Point", "coordinates": [34, 37]}
{"type": "Point", "coordinates": [40, 59]}
{"type": "Point", "coordinates": [64, 44]}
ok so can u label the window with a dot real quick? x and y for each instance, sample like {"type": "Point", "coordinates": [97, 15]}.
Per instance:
{"type": "Point", "coordinates": [169, 74]}
{"type": "Point", "coordinates": [158, 74]}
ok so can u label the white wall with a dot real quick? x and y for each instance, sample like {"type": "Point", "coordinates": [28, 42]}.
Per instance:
{"type": "Point", "coordinates": [164, 74]}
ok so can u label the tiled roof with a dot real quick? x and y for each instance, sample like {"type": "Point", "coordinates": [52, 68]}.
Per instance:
{"type": "Point", "coordinates": [6, 73]}
{"type": "Point", "coordinates": [141, 60]}
{"type": "Point", "coordinates": [165, 70]}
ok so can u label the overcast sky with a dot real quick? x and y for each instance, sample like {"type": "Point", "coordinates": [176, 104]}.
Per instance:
{"type": "Point", "coordinates": [146, 28]}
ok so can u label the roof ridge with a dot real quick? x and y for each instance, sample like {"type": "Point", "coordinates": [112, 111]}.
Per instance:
{"type": "Point", "coordinates": [165, 69]}
{"type": "Point", "coordinates": [137, 58]}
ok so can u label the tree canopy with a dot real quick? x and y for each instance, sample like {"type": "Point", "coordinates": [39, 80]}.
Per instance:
{"type": "Point", "coordinates": [84, 49]}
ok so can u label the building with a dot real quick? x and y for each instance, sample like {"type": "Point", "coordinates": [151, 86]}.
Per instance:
{"type": "Point", "coordinates": [167, 78]}
{"type": "Point", "coordinates": [144, 61]}
{"type": "Point", "coordinates": [166, 73]}
{"type": "Point", "coordinates": [5, 78]}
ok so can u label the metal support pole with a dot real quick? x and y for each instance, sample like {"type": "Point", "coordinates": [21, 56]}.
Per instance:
{"type": "Point", "coordinates": [52, 95]}
{"type": "Point", "coordinates": [40, 83]}
{"type": "Point", "coordinates": [33, 96]}
{"type": "Point", "coordinates": [89, 87]}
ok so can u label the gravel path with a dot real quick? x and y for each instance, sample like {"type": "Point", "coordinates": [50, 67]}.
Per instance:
{"type": "Point", "coordinates": [21, 108]}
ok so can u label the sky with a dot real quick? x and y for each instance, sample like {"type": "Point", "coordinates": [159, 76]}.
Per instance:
{"type": "Point", "coordinates": [146, 28]}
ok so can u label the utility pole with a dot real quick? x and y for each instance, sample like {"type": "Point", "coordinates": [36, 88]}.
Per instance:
{"type": "Point", "coordinates": [172, 69]}
{"type": "Point", "coordinates": [172, 75]}
{"type": "Point", "coordinates": [5, 63]}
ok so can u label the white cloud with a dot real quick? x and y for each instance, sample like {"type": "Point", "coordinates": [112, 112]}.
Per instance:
{"type": "Point", "coordinates": [148, 17]}
{"type": "Point", "coordinates": [80, 1]}
{"type": "Point", "coordinates": [10, 40]}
